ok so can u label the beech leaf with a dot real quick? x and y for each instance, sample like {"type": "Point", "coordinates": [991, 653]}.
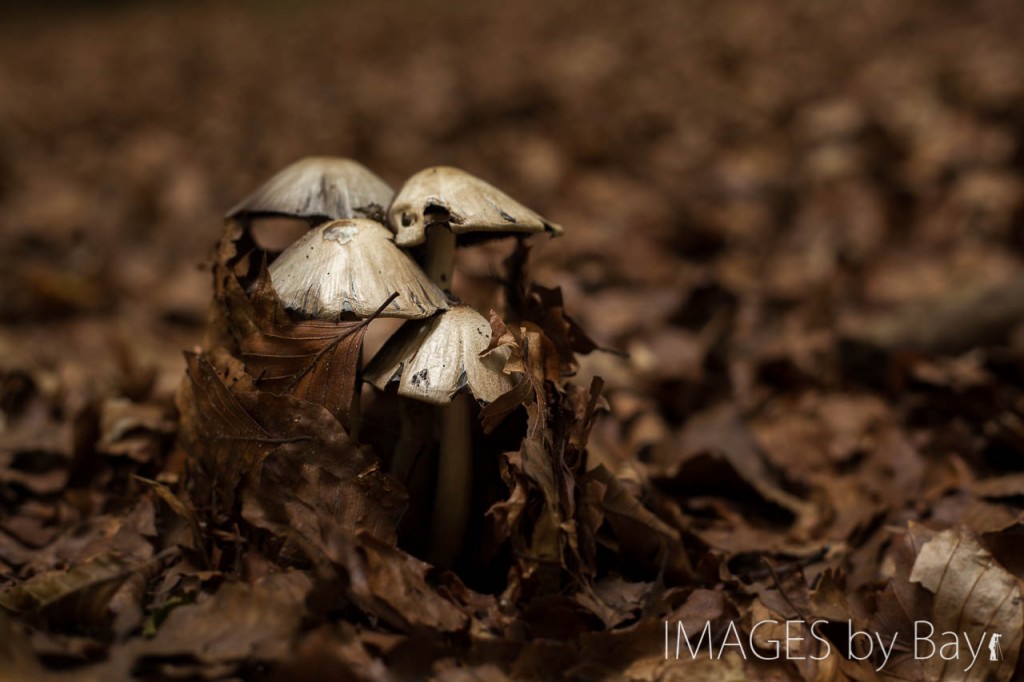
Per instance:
{"type": "Point", "coordinates": [975, 598]}
{"type": "Point", "coordinates": [315, 360]}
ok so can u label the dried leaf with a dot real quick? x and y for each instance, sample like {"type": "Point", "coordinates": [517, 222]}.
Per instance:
{"type": "Point", "coordinates": [313, 360]}
{"type": "Point", "coordinates": [976, 599]}
{"type": "Point", "coordinates": [643, 539]}
{"type": "Point", "coordinates": [17, 660]}
{"type": "Point", "coordinates": [296, 466]}
{"type": "Point", "coordinates": [239, 622]}
{"type": "Point", "coordinates": [184, 509]}
{"type": "Point", "coordinates": [392, 585]}
{"type": "Point", "coordinates": [76, 598]}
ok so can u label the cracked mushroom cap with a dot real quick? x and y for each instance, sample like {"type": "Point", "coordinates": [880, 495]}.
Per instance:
{"type": "Point", "coordinates": [352, 266]}
{"type": "Point", "coordinates": [318, 186]}
{"type": "Point", "coordinates": [464, 203]}
{"type": "Point", "coordinates": [434, 359]}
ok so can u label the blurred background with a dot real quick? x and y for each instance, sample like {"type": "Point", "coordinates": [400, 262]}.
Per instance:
{"type": "Point", "coordinates": [793, 163]}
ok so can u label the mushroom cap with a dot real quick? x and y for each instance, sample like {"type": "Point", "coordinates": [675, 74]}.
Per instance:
{"type": "Point", "coordinates": [443, 195]}
{"type": "Point", "coordinates": [319, 186]}
{"type": "Point", "coordinates": [352, 266]}
{"type": "Point", "coordinates": [434, 359]}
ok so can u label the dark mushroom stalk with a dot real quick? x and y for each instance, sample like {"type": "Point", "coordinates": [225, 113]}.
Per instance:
{"type": "Point", "coordinates": [436, 206]}
{"type": "Point", "coordinates": [438, 361]}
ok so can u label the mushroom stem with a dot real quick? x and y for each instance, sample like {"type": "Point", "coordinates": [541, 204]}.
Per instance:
{"type": "Point", "coordinates": [454, 476]}
{"type": "Point", "coordinates": [414, 429]}
{"type": "Point", "coordinates": [455, 465]}
{"type": "Point", "coordinates": [440, 256]}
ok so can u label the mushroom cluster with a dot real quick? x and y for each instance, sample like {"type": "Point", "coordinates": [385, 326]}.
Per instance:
{"type": "Point", "coordinates": [371, 252]}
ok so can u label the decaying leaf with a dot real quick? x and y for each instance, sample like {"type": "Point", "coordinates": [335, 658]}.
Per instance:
{"type": "Point", "coordinates": [236, 623]}
{"type": "Point", "coordinates": [294, 466]}
{"type": "Point", "coordinates": [642, 539]}
{"type": "Point", "coordinates": [539, 516]}
{"type": "Point", "coordinates": [184, 510]}
{"type": "Point", "coordinates": [392, 586]}
{"type": "Point", "coordinates": [75, 599]}
{"type": "Point", "coordinates": [132, 430]}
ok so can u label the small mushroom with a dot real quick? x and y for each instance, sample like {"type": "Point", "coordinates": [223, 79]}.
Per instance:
{"type": "Point", "coordinates": [442, 205]}
{"type": "Point", "coordinates": [318, 188]}
{"type": "Point", "coordinates": [352, 266]}
{"type": "Point", "coordinates": [435, 359]}
{"type": "Point", "coordinates": [439, 361]}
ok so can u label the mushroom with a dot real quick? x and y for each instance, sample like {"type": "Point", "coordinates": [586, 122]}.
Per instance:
{"type": "Point", "coordinates": [318, 188]}
{"type": "Point", "coordinates": [433, 360]}
{"type": "Point", "coordinates": [352, 266]}
{"type": "Point", "coordinates": [443, 205]}
{"type": "Point", "coordinates": [441, 361]}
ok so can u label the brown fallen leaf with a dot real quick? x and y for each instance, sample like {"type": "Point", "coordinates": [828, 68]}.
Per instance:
{"type": "Point", "coordinates": [17, 660]}
{"type": "Point", "coordinates": [948, 582]}
{"type": "Point", "coordinates": [314, 360]}
{"type": "Point", "coordinates": [184, 510]}
{"type": "Point", "coordinates": [392, 585]}
{"type": "Point", "coordinates": [545, 308]}
{"type": "Point", "coordinates": [216, 430]}
{"type": "Point", "coordinates": [70, 599]}
{"type": "Point", "coordinates": [290, 459]}
{"type": "Point", "coordinates": [953, 324]}
{"type": "Point", "coordinates": [333, 652]}
{"type": "Point", "coordinates": [133, 430]}
{"type": "Point", "coordinates": [642, 540]}
{"type": "Point", "coordinates": [975, 598]}
{"type": "Point", "coordinates": [238, 622]}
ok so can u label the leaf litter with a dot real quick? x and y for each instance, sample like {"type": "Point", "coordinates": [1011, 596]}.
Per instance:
{"type": "Point", "coordinates": [819, 416]}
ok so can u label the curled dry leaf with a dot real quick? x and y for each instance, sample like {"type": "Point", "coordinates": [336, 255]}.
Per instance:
{"type": "Point", "coordinates": [541, 517]}
{"type": "Point", "coordinates": [642, 540]}
{"type": "Point", "coordinates": [184, 510]}
{"type": "Point", "coordinates": [132, 430]}
{"type": "Point", "coordinates": [545, 308]}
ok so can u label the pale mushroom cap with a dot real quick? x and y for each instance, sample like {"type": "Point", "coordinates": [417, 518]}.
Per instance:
{"type": "Point", "coordinates": [433, 359]}
{"type": "Point", "coordinates": [352, 266]}
{"type": "Point", "coordinates": [319, 186]}
{"type": "Point", "coordinates": [448, 196]}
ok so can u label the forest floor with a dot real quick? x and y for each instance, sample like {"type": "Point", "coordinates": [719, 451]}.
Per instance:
{"type": "Point", "coordinates": [799, 227]}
